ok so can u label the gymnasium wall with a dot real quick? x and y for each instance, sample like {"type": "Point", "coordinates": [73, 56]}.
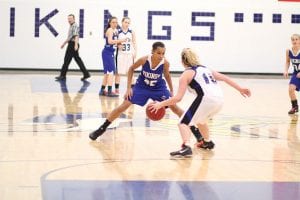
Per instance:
{"type": "Point", "coordinates": [245, 36]}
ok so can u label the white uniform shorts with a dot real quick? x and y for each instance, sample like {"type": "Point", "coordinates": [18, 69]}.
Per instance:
{"type": "Point", "coordinates": [201, 112]}
{"type": "Point", "coordinates": [124, 61]}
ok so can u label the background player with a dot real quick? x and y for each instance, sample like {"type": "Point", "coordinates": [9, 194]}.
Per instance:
{"type": "Point", "coordinates": [126, 52]}
{"type": "Point", "coordinates": [293, 57]}
{"type": "Point", "coordinates": [149, 85]}
{"type": "Point", "coordinates": [209, 99]}
{"type": "Point", "coordinates": [108, 56]}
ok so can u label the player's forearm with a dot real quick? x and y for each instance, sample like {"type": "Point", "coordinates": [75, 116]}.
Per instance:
{"type": "Point", "coordinates": [135, 47]}
{"type": "Point", "coordinates": [170, 87]}
{"type": "Point", "coordinates": [129, 77]}
{"type": "Point", "coordinates": [134, 42]}
{"type": "Point", "coordinates": [170, 101]}
{"type": "Point", "coordinates": [169, 82]}
{"type": "Point", "coordinates": [222, 77]}
{"type": "Point", "coordinates": [113, 42]}
{"type": "Point", "coordinates": [287, 65]}
{"type": "Point", "coordinates": [233, 84]}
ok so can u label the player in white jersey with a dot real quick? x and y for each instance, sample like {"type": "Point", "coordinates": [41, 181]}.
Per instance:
{"type": "Point", "coordinates": [126, 52]}
{"type": "Point", "coordinates": [209, 100]}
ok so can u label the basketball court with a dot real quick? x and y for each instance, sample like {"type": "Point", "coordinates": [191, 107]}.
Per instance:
{"type": "Point", "coordinates": [45, 151]}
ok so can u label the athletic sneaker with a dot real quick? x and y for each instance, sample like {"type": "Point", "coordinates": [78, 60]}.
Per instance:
{"type": "Point", "coordinates": [205, 145]}
{"type": "Point", "coordinates": [102, 93]}
{"type": "Point", "coordinates": [112, 94]}
{"type": "Point", "coordinates": [293, 110]}
{"type": "Point", "coordinates": [94, 135]}
{"type": "Point", "coordinates": [185, 151]}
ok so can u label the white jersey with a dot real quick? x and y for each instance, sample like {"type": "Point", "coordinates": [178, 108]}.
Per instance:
{"type": "Point", "coordinates": [204, 83]}
{"type": "Point", "coordinates": [127, 47]}
{"type": "Point", "coordinates": [125, 53]}
{"type": "Point", "coordinates": [209, 97]}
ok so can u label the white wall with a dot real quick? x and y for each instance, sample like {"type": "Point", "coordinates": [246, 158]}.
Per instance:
{"type": "Point", "coordinates": [237, 47]}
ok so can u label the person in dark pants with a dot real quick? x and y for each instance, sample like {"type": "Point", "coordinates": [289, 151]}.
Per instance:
{"type": "Point", "coordinates": [72, 51]}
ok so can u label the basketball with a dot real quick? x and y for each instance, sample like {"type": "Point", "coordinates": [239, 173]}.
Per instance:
{"type": "Point", "coordinates": [155, 116]}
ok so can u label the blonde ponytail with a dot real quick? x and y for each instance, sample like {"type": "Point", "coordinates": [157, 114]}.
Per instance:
{"type": "Point", "coordinates": [189, 57]}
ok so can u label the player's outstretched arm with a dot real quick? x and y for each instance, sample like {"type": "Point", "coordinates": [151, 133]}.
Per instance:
{"type": "Point", "coordinates": [134, 44]}
{"type": "Point", "coordinates": [287, 64]}
{"type": "Point", "coordinates": [222, 77]}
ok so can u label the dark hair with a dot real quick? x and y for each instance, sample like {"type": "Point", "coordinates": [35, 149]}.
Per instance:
{"type": "Point", "coordinates": [155, 45]}
{"type": "Point", "coordinates": [108, 23]}
{"type": "Point", "coordinates": [71, 15]}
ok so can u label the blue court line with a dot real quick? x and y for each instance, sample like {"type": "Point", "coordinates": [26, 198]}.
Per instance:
{"type": "Point", "coordinates": [167, 190]}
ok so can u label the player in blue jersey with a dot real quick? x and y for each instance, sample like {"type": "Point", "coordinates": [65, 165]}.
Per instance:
{"type": "Point", "coordinates": [293, 58]}
{"type": "Point", "coordinates": [149, 85]}
{"type": "Point", "coordinates": [202, 82]}
{"type": "Point", "coordinates": [108, 57]}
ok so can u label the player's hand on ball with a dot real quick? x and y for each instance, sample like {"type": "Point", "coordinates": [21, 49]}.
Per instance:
{"type": "Point", "coordinates": [154, 106]}
{"type": "Point", "coordinates": [155, 112]}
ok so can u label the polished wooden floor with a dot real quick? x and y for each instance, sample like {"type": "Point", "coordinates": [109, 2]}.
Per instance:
{"type": "Point", "coordinates": [45, 152]}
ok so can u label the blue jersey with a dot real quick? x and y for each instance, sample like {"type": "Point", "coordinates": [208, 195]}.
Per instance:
{"type": "Point", "coordinates": [150, 84]}
{"type": "Point", "coordinates": [108, 56]}
{"type": "Point", "coordinates": [110, 47]}
{"type": "Point", "coordinates": [151, 79]}
{"type": "Point", "coordinates": [295, 61]}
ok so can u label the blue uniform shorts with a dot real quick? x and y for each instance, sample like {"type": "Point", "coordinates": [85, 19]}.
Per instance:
{"type": "Point", "coordinates": [141, 95]}
{"type": "Point", "coordinates": [295, 81]}
{"type": "Point", "coordinates": [108, 59]}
